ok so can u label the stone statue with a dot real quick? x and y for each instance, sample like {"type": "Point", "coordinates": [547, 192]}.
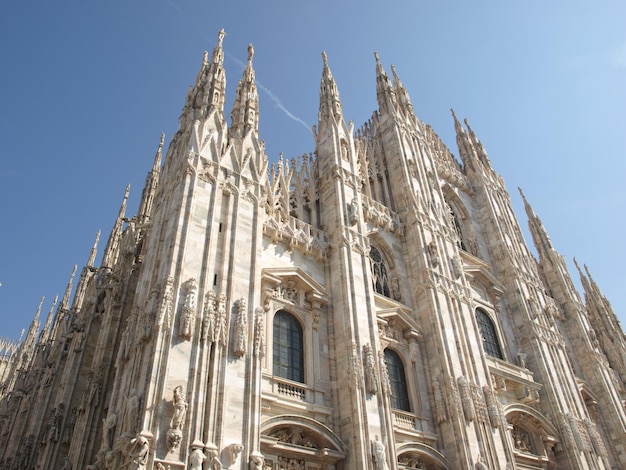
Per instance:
{"type": "Point", "coordinates": [197, 456]}
{"type": "Point", "coordinates": [480, 463]}
{"type": "Point", "coordinates": [139, 450]}
{"type": "Point", "coordinates": [257, 461]}
{"type": "Point", "coordinates": [213, 457]}
{"type": "Point", "coordinates": [180, 408]}
{"type": "Point", "coordinates": [230, 454]}
{"type": "Point", "coordinates": [380, 455]}
{"type": "Point", "coordinates": [108, 430]}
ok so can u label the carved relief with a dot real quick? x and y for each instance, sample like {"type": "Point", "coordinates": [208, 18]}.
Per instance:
{"type": "Point", "coordinates": [596, 438]}
{"type": "Point", "coordinates": [492, 407]}
{"type": "Point", "coordinates": [294, 436]}
{"type": "Point", "coordinates": [479, 403]}
{"type": "Point", "coordinates": [521, 439]}
{"type": "Point", "coordinates": [259, 333]}
{"type": "Point", "coordinates": [355, 367]}
{"type": "Point", "coordinates": [440, 405]}
{"type": "Point", "coordinates": [466, 398]}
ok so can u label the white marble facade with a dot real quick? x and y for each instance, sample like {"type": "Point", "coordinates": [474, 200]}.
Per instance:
{"type": "Point", "coordinates": [370, 305]}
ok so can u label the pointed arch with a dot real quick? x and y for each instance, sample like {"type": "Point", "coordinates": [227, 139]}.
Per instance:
{"type": "Point", "coordinates": [459, 215]}
{"type": "Point", "coordinates": [384, 274]}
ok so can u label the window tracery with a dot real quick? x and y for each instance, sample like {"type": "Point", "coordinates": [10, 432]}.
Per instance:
{"type": "Point", "coordinates": [397, 381]}
{"type": "Point", "coordinates": [380, 274]}
{"type": "Point", "coordinates": [288, 347]}
{"type": "Point", "coordinates": [491, 344]}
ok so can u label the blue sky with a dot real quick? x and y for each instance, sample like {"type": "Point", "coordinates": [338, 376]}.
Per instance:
{"type": "Point", "coordinates": [86, 89]}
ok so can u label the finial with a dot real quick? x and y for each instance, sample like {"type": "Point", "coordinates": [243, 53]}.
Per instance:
{"type": "Point", "coordinates": [205, 58]}
{"type": "Point", "coordinates": [250, 53]}
{"type": "Point", "coordinates": [162, 139]}
{"type": "Point", "coordinates": [325, 58]}
{"type": "Point", "coordinates": [220, 37]}
{"type": "Point", "coordinates": [376, 56]}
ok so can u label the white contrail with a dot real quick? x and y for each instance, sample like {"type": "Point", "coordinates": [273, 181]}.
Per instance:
{"type": "Point", "coordinates": [275, 99]}
{"type": "Point", "coordinates": [281, 106]}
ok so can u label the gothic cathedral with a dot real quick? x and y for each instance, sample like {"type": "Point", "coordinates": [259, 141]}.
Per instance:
{"type": "Point", "coordinates": [372, 305]}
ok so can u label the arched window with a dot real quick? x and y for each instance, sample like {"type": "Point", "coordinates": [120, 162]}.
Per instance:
{"type": "Point", "coordinates": [379, 273]}
{"type": "Point", "coordinates": [397, 381]}
{"type": "Point", "coordinates": [288, 360]}
{"type": "Point", "coordinates": [488, 332]}
{"type": "Point", "coordinates": [457, 226]}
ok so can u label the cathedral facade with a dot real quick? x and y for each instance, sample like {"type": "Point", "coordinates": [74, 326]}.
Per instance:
{"type": "Point", "coordinates": [372, 305]}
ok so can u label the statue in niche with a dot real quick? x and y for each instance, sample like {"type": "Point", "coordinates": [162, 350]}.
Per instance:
{"type": "Point", "coordinates": [371, 378]}
{"type": "Point", "coordinates": [480, 463]}
{"type": "Point", "coordinates": [457, 266]}
{"type": "Point", "coordinates": [240, 344]}
{"type": "Point", "coordinates": [108, 430]}
{"type": "Point", "coordinates": [219, 330]}
{"type": "Point", "coordinates": [379, 453]}
{"type": "Point", "coordinates": [209, 316]}
{"type": "Point", "coordinates": [188, 311]}
{"type": "Point", "coordinates": [165, 315]}
{"type": "Point", "coordinates": [353, 211]}
{"type": "Point", "coordinates": [433, 254]}
{"type": "Point", "coordinates": [180, 408]}
{"type": "Point", "coordinates": [131, 415]}
{"type": "Point", "coordinates": [521, 357]}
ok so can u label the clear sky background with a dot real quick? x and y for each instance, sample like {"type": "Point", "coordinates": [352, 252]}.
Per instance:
{"type": "Point", "coordinates": [86, 88]}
